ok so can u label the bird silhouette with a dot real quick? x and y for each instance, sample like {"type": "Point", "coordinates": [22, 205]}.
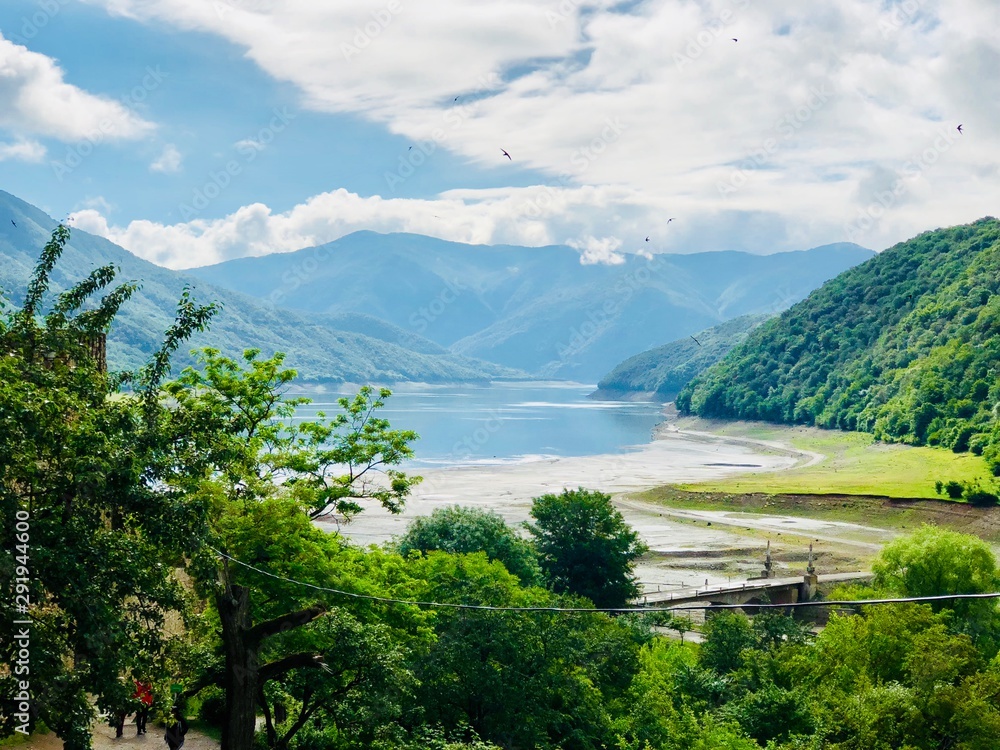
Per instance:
{"type": "Point", "coordinates": [696, 341]}
{"type": "Point", "coordinates": [959, 128]}
{"type": "Point", "coordinates": [505, 154]}
{"type": "Point", "coordinates": [669, 220]}
{"type": "Point", "coordinates": [735, 39]}
{"type": "Point", "coordinates": [647, 239]}
{"type": "Point", "coordinates": [14, 223]}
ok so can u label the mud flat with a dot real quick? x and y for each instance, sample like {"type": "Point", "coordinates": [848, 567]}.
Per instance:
{"type": "Point", "coordinates": [686, 549]}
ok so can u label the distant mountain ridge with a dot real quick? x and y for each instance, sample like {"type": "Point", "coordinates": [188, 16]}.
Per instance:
{"type": "Point", "coordinates": [534, 309]}
{"type": "Point", "coordinates": [662, 372]}
{"type": "Point", "coordinates": [334, 348]}
{"type": "Point", "coordinates": [905, 346]}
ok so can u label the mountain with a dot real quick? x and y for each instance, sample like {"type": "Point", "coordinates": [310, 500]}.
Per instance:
{"type": "Point", "coordinates": [336, 348]}
{"type": "Point", "coordinates": [904, 346]}
{"type": "Point", "coordinates": [662, 372]}
{"type": "Point", "coordinates": [535, 309]}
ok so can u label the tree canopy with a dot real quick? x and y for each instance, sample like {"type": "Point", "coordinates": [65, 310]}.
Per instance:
{"type": "Point", "coordinates": [462, 529]}
{"type": "Point", "coordinates": [903, 346]}
{"type": "Point", "coordinates": [585, 547]}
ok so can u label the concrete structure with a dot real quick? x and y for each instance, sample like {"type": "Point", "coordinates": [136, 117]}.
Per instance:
{"type": "Point", "coordinates": [753, 591]}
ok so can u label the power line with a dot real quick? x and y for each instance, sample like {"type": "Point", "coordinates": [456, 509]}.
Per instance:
{"type": "Point", "coordinates": [608, 610]}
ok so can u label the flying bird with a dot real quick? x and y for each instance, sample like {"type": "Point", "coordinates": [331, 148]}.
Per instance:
{"type": "Point", "coordinates": [735, 39]}
{"type": "Point", "coordinates": [959, 128]}
{"type": "Point", "coordinates": [696, 341]}
{"type": "Point", "coordinates": [506, 154]}
{"type": "Point", "coordinates": [14, 223]}
{"type": "Point", "coordinates": [647, 239]}
{"type": "Point", "coordinates": [669, 220]}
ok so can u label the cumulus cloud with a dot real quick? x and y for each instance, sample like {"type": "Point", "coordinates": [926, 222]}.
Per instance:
{"type": "Point", "coordinates": [598, 250]}
{"type": "Point", "coordinates": [524, 216]}
{"type": "Point", "coordinates": [169, 162]}
{"type": "Point", "coordinates": [39, 102]}
{"type": "Point", "coordinates": [803, 126]}
{"type": "Point", "coordinates": [31, 151]}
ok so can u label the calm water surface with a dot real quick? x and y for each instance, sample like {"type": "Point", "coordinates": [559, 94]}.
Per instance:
{"type": "Point", "coordinates": [502, 422]}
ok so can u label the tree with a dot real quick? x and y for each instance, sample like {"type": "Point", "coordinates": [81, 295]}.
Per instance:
{"type": "Point", "coordinates": [585, 547]}
{"type": "Point", "coordinates": [462, 530]}
{"type": "Point", "coordinates": [262, 464]}
{"type": "Point", "coordinates": [90, 527]}
{"type": "Point", "coordinates": [519, 679]}
{"type": "Point", "coordinates": [727, 635]}
{"type": "Point", "coordinates": [937, 562]}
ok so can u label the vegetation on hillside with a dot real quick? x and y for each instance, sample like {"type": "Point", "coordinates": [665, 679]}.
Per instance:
{"type": "Point", "coordinates": [904, 346]}
{"type": "Point", "coordinates": [665, 370]}
{"type": "Point", "coordinates": [322, 348]}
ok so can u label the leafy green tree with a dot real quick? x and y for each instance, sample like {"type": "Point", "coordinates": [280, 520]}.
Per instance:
{"type": "Point", "coordinates": [262, 464]}
{"type": "Point", "coordinates": [462, 530]}
{"type": "Point", "coordinates": [585, 547]}
{"type": "Point", "coordinates": [519, 679]}
{"type": "Point", "coordinates": [727, 635]}
{"type": "Point", "coordinates": [90, 526]}
{"type": "Point", "coordinates": [937, 562]}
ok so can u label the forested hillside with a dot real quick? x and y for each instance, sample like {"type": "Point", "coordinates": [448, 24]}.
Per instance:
{"type": "Point", "coordinates": [904, 346]}
{"type": "Point", "coordinates": [337, 348]}
{"type": "Point", "coordinates": [665, 370]}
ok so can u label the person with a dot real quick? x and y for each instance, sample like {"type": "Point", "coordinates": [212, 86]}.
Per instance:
{"type": "Point", "coordinates": [174, 736]}
{"type": "Point", "coordinates": [144, 695]}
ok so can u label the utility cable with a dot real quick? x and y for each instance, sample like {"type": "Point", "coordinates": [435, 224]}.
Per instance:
{"type": "Point", "coordinates": [608, 610]}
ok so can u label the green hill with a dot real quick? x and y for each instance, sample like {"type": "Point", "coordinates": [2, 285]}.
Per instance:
{"type": "Point", "coordinates": [335, 347]}
{"type": "Point", "coordinates": [905, 346]}
{"type": "Point", "coordinates": [662, 372]}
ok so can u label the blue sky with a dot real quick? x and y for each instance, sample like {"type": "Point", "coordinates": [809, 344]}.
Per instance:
{"type": "Point", "coordinates": [241, 127]}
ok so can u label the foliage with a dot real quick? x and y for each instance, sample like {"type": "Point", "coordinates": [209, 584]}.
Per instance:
{"type": "Point", "coordinates": [903, 346]}
{"type": "Point", "coordinates": [90, 523]}
{"type": "Point", "coordinates": [521, 679]}
{"type": "Point", "coordinates": [585, 547]}
{"type": "Point", "coordinates": [284, 648]}
{"type": "Point", "coordinates": [462, 530]}
{"type": "Point", "coordinates": [666, 369]}
{"type": "Point", "coordinates": [937, 562]}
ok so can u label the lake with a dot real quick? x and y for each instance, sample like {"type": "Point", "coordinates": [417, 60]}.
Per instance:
{"type": "Point", "coordinates": [508, 422]}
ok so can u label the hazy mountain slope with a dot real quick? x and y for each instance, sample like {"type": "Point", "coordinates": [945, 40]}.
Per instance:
{"type": "Point", "coordinates": [368, 350]}
{"type": "Point", "coordinates": [665, 370]}
{"type": "Point", "coordinates": [905, 346]}
{"type": "Point", "coordinates": [537, 309]}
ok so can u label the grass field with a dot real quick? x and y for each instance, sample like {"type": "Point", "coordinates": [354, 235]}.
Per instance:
{"type": "Point", "coordinates": [853, 463]}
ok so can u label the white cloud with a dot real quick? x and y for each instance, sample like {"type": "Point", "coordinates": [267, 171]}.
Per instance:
{"type": "Point", "coordinates": [598, 250]}
{"type": "Point", "coordinates": [38, 102]}
{"type": "Point", "coordinates": [169, 162]}
{"type": "Point", "coordinates": [798, 129]}
{"type": "Point", "coordinates": [525, 216]}
{"type": "Point", "coordinates": [31, 151]}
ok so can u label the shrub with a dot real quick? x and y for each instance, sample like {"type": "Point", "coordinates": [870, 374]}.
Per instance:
{"type": "Point", "coordinates": [213, 706]}
{"type": "Point", "coordinates": [954, 489]}
{"type": "Point", "coordinates": [981, 499]}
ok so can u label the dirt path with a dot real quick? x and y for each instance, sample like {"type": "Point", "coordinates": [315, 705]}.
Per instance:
{"type": "Point", "coordinates": [104, 739]}
{"type": "Point", "coordinates": [836, 532]}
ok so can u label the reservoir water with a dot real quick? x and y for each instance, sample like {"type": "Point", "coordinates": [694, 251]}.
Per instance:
{"type": "Point", "coordinates": [508, 422]}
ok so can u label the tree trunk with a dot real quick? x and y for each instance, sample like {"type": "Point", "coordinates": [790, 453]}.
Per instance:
{"type": "Point", "coordinates": [241, 670]}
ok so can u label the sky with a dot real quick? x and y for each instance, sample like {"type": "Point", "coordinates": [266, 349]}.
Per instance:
{"type": "Point", "coordinates": [196, 131]}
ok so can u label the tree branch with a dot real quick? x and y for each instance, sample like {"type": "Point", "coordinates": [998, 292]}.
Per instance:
{"type": "Point", "coordinates": [304, 660]}
{"type": "Point", "coordinates": [288, 621]}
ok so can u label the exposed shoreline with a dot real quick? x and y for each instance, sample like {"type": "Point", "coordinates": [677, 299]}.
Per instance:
{"type": "Point", "coordinates": [679, 542]}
